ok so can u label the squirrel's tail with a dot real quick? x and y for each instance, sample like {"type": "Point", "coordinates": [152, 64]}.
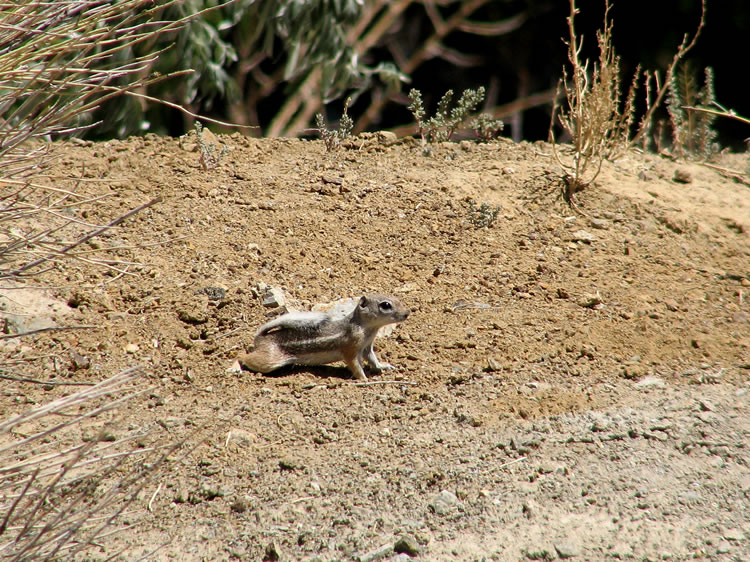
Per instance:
{"type": "Point", "coordinates": [264, 358]}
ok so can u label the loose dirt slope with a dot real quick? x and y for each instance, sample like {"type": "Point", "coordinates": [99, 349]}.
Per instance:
{"type": "Point", "coordinates": [606, 353]}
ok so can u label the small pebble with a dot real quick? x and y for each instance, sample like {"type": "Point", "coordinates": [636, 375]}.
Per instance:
{"type": "Point", "coordinates": [444, 502]}
{"type": "Point", "coordinates": [274, 298]}
{"type": "Point", "coordinates": [682, 176]}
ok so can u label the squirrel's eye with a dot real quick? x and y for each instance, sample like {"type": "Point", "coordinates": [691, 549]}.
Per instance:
{"type": "Point", "coordinates": [386, 305]}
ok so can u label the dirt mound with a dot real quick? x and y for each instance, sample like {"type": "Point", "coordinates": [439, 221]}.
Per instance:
{"type": "Point", "coordinates": [569, 385]}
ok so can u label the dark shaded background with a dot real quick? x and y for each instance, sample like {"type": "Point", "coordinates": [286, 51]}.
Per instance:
{"type": "Point", "coordinates": [530, 59]}
{"type": "Point", "coordinates": [515, 67]}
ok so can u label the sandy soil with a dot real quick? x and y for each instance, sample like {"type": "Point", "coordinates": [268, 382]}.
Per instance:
{"type": "Point", "coordinates": [569, 385]}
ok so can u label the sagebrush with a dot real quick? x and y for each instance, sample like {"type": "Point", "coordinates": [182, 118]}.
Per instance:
{"type": "Point", "coordinates": [334, 137]}
{"type": "Point", "coordinates": [599, 122]}
{"type": "Point", "coordinates": [448, 117]}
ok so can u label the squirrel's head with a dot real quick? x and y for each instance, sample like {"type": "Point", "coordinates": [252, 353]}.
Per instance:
{"type": "Point", "coordinates": [379, 310]}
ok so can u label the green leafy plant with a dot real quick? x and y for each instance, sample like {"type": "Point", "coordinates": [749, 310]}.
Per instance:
{"type": "Point", "coordinates": [482, 216]}
{"type": "Point", "coordinates": [334, 137]}
{"type": "Point", "coordinates": [210, 157]}
{"type": "Point", "coordinates": [486, 127]}
{"type": "Point", "coordinates": [692, 131]}
{"type": "Point", "coordinates": [446, 120]}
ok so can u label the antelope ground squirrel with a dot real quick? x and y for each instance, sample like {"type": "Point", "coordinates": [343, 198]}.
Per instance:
{"type": "Point", "coordinates": [319, 338]}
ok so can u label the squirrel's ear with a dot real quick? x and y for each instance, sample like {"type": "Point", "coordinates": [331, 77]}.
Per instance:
{"type": "Point", "coordinates": [363, 302]}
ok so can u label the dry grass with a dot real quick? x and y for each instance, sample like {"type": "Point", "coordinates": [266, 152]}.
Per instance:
{"type": "Point", "coordinates": [58, 494]}
{"type": "Point", "coordinates": [59, 62]}
{"type": "Point", "coordinates": [591, 116]}
{"type": "Point", "coordinates": [594, 116]}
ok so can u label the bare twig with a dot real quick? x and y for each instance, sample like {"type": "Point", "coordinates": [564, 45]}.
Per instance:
{"type": "Point", "coordinates": [662, 86]}
{"type": "Point", "coordinates": [45, 383]}
{"type": "Point", "coordinates": [373, 383]}
{"type": "Point", "coordinates": [732, 174]}
{"type": "Point", "coordinates": [153, 497]}
{"type": "Point", "coordinates": [19, 271]}
{"type": "Point", "coordinates": [61, 501]}
{"type": "Point", "coordinates": [49, 329]}
{"type": "Point", "coordinates": [507, 464]}
{"type": "Point", "coordinates": [720, 113]}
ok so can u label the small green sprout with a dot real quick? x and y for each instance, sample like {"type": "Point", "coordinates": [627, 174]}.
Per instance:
{"type": "Point", "coordinates": [334, 137]}
{"type": "Point", "coordinates": [209, 159]}
{"type": "Point", "coordinates": [482, 216]}
{"type": "Point", "coordinates": [486, 127]}
{"type": "Point", "coordinates": [444, 123]}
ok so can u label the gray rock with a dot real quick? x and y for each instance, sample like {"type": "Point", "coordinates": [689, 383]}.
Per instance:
{"type": "Point", "coordinates": [583, 236]}
{"type": "Point", "coordinates": [599, 223]}
{"type": "Point", "coordinates": [493, 365]}
{"type": "Point", "coordinates": [273, 552]}
{"type": "Point", "coordinates": [78, 361]}
{"type": "Point", "coordinates": [650, 382]}
{"type": "Point", "coordinates": [274, 297]}
{"type": "Point", "coordinates": [240, 505]}
{"type": "Point", "coordinates": [566, 550]}
{"type": "Point", "coordinates": [387, 137]}
{"type": "Point", "coordinates": [444, 502]}
{"type": "Point", "coordinates": [706, 406]}
{"type": "Point", "coordinates": [290, 463]}
{"type": "Point", "coordinates": [690, 498]}
{"type": "Point", "coordinates": [723, 547]}
{"type": "Point", "coordinates": [734, 535]}
{"type": "Point", "coordinates": [27, 309]}
{"type": "Point", "coordinates": [407, 544]}
{"type": "Point", "coordinates": [682, 176]}
{"type": "Point", "coordinates": [590, 300]}
{"type": "Point", "coordinates": [377, 554]}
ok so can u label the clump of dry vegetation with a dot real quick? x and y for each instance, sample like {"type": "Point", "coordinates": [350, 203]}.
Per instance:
{"type": "Point", "coordinates": [59, 62]}
{"type": "Point", "coordinates": [592, 113]}
{"type": "Point", "coordinates": [599, 122]}
{"type": "Point", "coordinates": [58, 494]}
{"type": "Point", "coordinates": [692, 131]}
{"type": "Point", "coordinates": [52, 87]}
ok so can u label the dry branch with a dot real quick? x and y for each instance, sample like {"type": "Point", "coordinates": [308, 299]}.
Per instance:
{"type": "Point", "coordinates": [21, 271]}
{"type": "Point", "coordinates": [662, 86]}
{"type": "Point", "coordinates": [61, 496]}
{"type": "Point", "coordinates": [60, 61]}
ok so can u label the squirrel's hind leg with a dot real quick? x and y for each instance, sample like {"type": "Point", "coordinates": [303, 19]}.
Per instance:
{"type": "Point", "coordinates": [265, 357]}
{"type": "Point", "coordinates": [355, 366]}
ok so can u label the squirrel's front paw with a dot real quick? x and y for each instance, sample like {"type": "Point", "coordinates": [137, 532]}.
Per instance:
{"type": "Point", "coordinates": [383, 367]}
